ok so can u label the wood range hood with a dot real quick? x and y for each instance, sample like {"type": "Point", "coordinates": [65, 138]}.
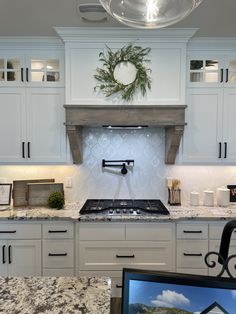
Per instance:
{"type": "Point", "coordinates": [170, 117]}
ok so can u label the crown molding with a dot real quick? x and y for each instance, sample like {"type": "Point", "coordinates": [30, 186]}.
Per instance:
{"type": "Point", "coordinates": [24, 42]}
{"type": "Point", "coordinates": [114, 34]}
{"type": "Point", "coordinates": [216, 43]}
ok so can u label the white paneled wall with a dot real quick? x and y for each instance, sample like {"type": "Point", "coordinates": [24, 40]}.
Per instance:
{"type": "Point", "coordinates": [145, 180]}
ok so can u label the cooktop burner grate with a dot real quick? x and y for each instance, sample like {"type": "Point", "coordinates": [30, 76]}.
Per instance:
{"type": "Point", "coordinates": [124, 206]}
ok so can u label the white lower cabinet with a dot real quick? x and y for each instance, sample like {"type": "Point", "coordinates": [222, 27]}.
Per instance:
{"type": "Point", "coordinates": [58, 249]}
{"type": "Point", "coordinates": [192, 246]}
{"type": "Point", "coordinates": [106, 248]}
{"type": "Point", "coordinates": [20, 249]}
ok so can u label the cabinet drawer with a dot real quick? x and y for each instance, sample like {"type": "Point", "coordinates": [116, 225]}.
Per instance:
{"type": "Point", "coordinates": [58, 253]}
{"type": "Point", "coordinates": [192, 231]}
{"type": "Point", "coordinates": [155, 232]}
{"type": "Point", "coordinates": [103, 231]}
{"type": "Point", "coordinates": [215, 231]}
{"type": "Point", "coordinates": [58, 230]}
{"type": "Point", "coordinates": [114, 255]}
{"type": "Point", "coordinates": [20, 231]}
{"type": "Point", "coordinates": [191, 253]}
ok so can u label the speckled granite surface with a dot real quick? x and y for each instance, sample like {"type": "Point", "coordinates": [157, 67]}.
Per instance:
{"type": "Point", "coordinates": [71, 212]}
{"type": "Point", "coordinates": [51, 295]}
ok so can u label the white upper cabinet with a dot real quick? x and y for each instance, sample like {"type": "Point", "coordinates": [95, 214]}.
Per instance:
{"type": "Point", "coordinates": [209, 136]}
{"type": "Point", "coordinates": [31, 125]}
{"type": "Point", "coordinates": [31, 101]}
{"type": "Point", "coordinates": [167, 63]}
{"type": "Point", "coordinates": [32, 68]}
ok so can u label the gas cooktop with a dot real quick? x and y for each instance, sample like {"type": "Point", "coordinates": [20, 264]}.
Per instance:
{"type": "Point", "coordinates": [124, 207]}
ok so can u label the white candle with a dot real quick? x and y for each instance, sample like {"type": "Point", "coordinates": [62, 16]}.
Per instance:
{"type": "Point", "coordinates": [208, 198]}
{"type": "Point", "coordinates": [194, 198]}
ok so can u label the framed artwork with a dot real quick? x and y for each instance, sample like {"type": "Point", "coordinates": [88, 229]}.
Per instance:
{"type": "Point", "coordinates": [5, 193]}
{"type": "Point", "coordinates": [232, 193]}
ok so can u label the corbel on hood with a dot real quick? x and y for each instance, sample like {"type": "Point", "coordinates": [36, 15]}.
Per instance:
{"type": "Point", "coordinates": [170, 117]}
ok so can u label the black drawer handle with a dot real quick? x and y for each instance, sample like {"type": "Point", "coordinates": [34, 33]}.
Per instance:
{"type": "Point", "coordinates": [23, 149]}
{"type": "Point", "coordinates": [225, 155]}
{"type": "Point", "coordinates": [10, 231]}
{"type": "Point", "coordinates": [227, 76]}
{"type": "Point", "coordinates": [125, 256]}
{"type": "Point", "coordinates": [27, 74]}
{"type": "Point", "coordinates": [22, 74]}
{"type": "Point", "coordinates": [119, 286]}
{"type": "Point", "coordinates": [193, 254]}
{"type": "Point", "coordinates": [3, 254]}
{"type": "Point", "coordinates": [57, 231]}
{"type": "Point", "coordinates": [9, 254]}
{"type": "Point", "coordinates": [57, 254]}
{"type": "Point", "coordinates": [221, 75]}
{"type": "Point", "coordinates": [192, 231]}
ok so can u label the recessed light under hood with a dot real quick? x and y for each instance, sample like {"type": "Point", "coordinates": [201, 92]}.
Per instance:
{"type": "Point", "coordinates": [125, 127]}
{"type": "Point", "coordinates": [170, 117]}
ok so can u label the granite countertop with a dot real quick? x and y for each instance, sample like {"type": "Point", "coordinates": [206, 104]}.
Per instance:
{"type": "Point", "coordinates": [55, 295]}
{"type": "Point", "coordinates": [71, 213]}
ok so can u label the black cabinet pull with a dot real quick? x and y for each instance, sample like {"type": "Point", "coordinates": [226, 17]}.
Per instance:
{"type": "Point", "coordinates": [8, 231]}
{"type": "Point", "coordinates": [23, 149]}
{"type": "Point", "coordinates": [119, 286]}
{"type": "Point", "coordinates": [57, 231]}
{"type": "Point", "coordinates": [227, 76]}
{"type": "Point", "coordinates": [22, 74]}
{"type": "Point", "coordinates": [192, 231]}
{"type": "Point", "coordinates": [3, 254]}
{"type": "Point", "coordinates": [28, 149]}
{"type": "Point", "coordinates": [57, 254]}
{"type": "Point", "coordinates": [9, 254]}
{"type": "Point", "coordinates": [193, 254]}
{"type": "Point", "coordinates": [27, 74]}
{"type": "Point", "coordinates": [125, 256]}
{"type": "Point", "coordinates": [219, 156]}
{"type": "Point", "coordinates": [225, 155]}
{"type": "Point", "coordinates": [221, 75]}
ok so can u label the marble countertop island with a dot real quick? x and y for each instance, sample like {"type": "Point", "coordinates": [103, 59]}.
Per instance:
{"type": "Point", "coordinates": [71, 213]}
{"type": "Point", "coordinates": [55, 295]}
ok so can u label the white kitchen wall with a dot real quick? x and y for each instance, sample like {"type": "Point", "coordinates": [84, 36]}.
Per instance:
{"type": "Point", "coordinates": [145, 180]}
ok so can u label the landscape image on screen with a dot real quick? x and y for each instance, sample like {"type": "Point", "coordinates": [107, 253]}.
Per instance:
{"type": "Point", "coordinates": [147, 297]}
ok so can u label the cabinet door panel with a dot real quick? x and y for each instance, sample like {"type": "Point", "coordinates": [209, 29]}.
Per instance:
{"type": "Point", "coordinates": [229, 137]}
{"type": "Point", "coordinates": [204, 124]}
{"type": "Point", "coordinates": [46, 132]}
{"type": "Point", "coordinates": [12, 124]}
{"type": "Point", "coordinates": [3, 259]}
{"type": "Point", "coordinates": [24, 258]}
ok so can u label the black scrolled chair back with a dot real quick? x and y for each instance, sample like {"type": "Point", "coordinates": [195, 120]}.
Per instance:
{"type": "Point", "coordinates": [223, 256]}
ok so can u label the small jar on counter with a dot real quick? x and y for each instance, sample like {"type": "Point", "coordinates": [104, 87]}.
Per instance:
{"type": "Point", "coordinates": [194, 198]}
{"type": "Point", "coordinates": [208, 199]}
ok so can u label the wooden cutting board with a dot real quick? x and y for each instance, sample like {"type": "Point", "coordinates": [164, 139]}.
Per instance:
{"type": "Point", "coordinates": [38, 193]}
{"type": "Point", "coordinates": [20, 190]}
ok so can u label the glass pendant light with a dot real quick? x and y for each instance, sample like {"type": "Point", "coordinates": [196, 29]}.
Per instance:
{"type": "Point", "coordinates": [149, 13]}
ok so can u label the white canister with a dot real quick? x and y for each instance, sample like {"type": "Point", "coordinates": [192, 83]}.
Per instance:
{"type": "Point", "coordinates": [208, 199]}
{"type": "Point", "coordinates": [194, 198]}
{"type": "Point", "coordinates": [223, 195]}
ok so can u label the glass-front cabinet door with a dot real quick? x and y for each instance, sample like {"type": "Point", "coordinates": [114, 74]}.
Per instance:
{"type": "Point", "coordinates": [211, 70]}
{"type": "Point", "coordinates": [204, 71]}
{"type": "Point", "coordinates": [44, 70]}
{"type": "Point", "coordinates": [10, 70]}
{"type": "Point", "coordinates": [36, 69]}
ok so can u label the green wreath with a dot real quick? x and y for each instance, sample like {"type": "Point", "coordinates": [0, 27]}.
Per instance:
{"type": "Point", "coordinates": [109, 85]}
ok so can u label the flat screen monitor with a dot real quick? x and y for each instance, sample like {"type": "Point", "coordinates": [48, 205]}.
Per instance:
{"type": "Point", "coordinates": [149, 292]}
